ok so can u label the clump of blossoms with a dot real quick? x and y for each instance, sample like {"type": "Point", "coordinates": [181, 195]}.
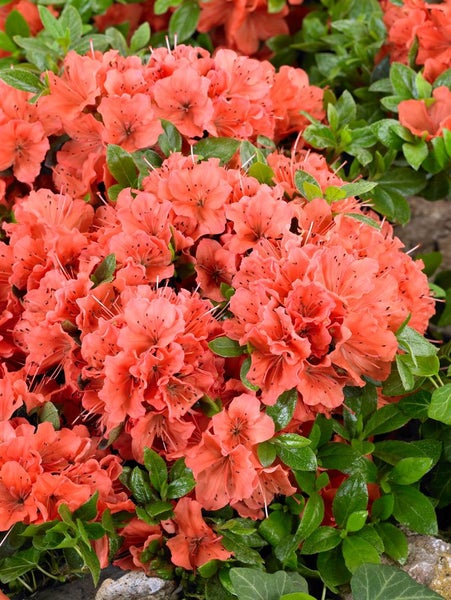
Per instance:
{"type": "Point", "coordinates": [115, 307]}
{"type": "Point", "coordinates": [419, 32]}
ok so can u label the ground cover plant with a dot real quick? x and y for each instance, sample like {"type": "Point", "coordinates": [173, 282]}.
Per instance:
{"type": "Point", "coordinates": [217, 365]}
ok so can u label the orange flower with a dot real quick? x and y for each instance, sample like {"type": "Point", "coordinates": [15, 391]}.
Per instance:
{"type": "Point", "coordinates": [182, 98]}
{"type": "Point", "coordinates": [243, 423]}
{"type": "Point", "coordinates": [427, 120]}
{"type": "Point", "coordinates": [196, 543]}
{"type": "Point", "coordinates": [222, 477]}
{"type": "Point", "coordinates": [129, 121]}
{"type": "Point", "coordinates": [17, 503]}
{"type": "Point", "coordinates": [24, 146]}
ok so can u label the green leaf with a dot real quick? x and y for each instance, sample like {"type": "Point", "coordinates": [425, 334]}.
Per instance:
{"type": "Point", "coordinates": [395, 541]}
{"type": "Point", "coordinates": [392, 451]}
{"type": "Point", "coordinates": [382, 507]}
{"type": "Point", "coordinates": [351, 496]}
{"type": "Point", "coordinates": [342, 457]}
{"type": "Point", "coordinates": [224, 346]}
{"type": "Point", "coordinates": [121, 166]}
{"type": "Point", "coordinates": [181, 480]}
{"type": "Point", "coordinates": [282, 411]}
{"type": "Point", "coordinates": [319, 136]}
{"type": "Point", "coordinates": [321, 540]}
{"type": "Point", "coordinates": [311, 519]}
{"type": "Point", "coordinates": [15, 24]}
{"type": "Point", "coordinates": [221, 147]}
{"type": "Point", "coordinates": [88, 510]}
{"type": "Point", "coordinates": [241, 550]}
{"type": "Point", "coordinates": [377, 582]}
{"type": "Point", "coordinates": [254, 584]}
{"type": "Point", "coordinates": [402, 79]}
{"type": "Point", "coordinates": [358, 551]}
{"type": "Point", "coordinates": [267, 453]}
{"type": "Point", "coordinates": [183, 21]}
{"type": "Point", "coordinates": [409, 470]}
{"type": "Point", "coordinates": [301, 177]}
{"type": "Point", "coordinates": [262, 173]}
{"type": "Point", "coordinates": [276, 527]}
{"type": "Point", "coordinates": [140, 486]}
{"type": "Point", "coordinates": [356, 520]}
{"type": "Point", "coordinates": [50, 22]}
{"type": "Point", "coordinates": [244, 370]}
{"type": "Point", "coordinates": [299, 459]}
{"type": "Point", "coordinates": [332, 568]}
{"type": "Point", "coordinates": [170, 140]}
{"type": "Point", "coordinates": [6, 43]}
{"type": "Point", "coordinates": [358, 188]}
{"type": "Point", "coordinates": [440, 406]}
{"type": "Point", "coordinates": [22, 79]}
{"type": "Point", "coordinates": [391, 203]}
{"type": "Point", "coordinates": [415, 154]}
{"type": "Point", "coordinates": [140, 38]}
{"type": "Point", "coordinates": [48, 412]}
{"type": "Point", "coordinates": [158, 471]}
{"type": "Point", "coordinates": [162, 6]}
{"type": "Point", "coordinates": [414, 509]}
{"type": "Point", "coordinates": [104, 272]}
{"type": "Point", "coordinates": [402, 180]}
{"type": "Point", "coordinates": [13, 567]}
{"type": "Point", "coordinates": [386, 419]}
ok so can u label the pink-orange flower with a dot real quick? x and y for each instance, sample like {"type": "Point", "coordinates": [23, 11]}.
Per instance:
{"type": "Point", "coordinates": [427, 119]}
{"type": "Point", "coordinates": [195, 543]}
{"type": "Point", "coordinates": [24, 146]}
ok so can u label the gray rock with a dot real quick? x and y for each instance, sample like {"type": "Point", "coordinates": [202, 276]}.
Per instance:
{"type": "Point", "coordinates": [135, 585]}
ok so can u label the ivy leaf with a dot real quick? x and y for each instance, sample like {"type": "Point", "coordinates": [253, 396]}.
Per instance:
{"type": "Point", "coordinates": [373, 582]}
{"type": "Point", "coordinates": [13, 567]}
{"type": "Point", "coordinates": [254, 584]}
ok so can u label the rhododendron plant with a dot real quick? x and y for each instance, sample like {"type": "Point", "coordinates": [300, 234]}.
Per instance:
{"type": "Point", "coordinates": [206, 323]}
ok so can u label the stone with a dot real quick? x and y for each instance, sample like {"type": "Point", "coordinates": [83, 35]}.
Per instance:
{"type": "Point", "coordinates": [136, 585]}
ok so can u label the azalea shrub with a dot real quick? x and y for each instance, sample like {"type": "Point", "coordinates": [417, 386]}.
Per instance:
{"type": "Point", "coordinates": [209, 328]}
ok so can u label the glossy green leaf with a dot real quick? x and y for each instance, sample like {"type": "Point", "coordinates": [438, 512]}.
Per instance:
{"type": "Point", "coordinates": [22, 79]}
{"type": "Point", "coordinates": [156, 465]}
{"type": "Point", "coordinates": [358, 551]}
{"type": "Point", "coordinates": [282, 411]}
{"type": "Point", "coordinates": [104, 272]}
{"type": "Point", "coordinates": [220, 147]}
{"type": "Point", "coordinates": [170, 140]}
{"type": "Point", "coordinates": [351, 496]}
{"type": "Point", "coordinates": [440, 406]}
{"type": "Point", "coordinates": [413, 509]}
{"type": "Point", "coordinates": [121, 166]}
{"type": "Point", "coordinates": [224, 346]}
{"type": "Point", "coordinates": [409, 470]}
{"type": "Point", "coordinates": [183, 21]}
{"type": "Point", "coordinates": [395, 541]}
{"type": "Point", "coordinates": [322, 539]}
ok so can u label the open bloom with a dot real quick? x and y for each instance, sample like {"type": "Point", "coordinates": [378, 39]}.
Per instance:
{"type": "Point", "coordinates": [424, 118]}
{"type": "Point", "coordinates": [195, 543]}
